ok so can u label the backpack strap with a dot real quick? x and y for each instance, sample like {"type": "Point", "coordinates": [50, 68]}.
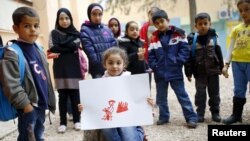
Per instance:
{"type": "Point", "coordinates": [39, 47]}
{"type": "Point", "coordinates": [194, 43]}
{"type": "Point", "coordinates": [1, 52]}
{"type": "Point", "coordinates": [21, 60]}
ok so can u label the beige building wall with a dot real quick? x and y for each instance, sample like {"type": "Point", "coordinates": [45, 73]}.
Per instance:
{"type": "Point", "coordinates": [180, 9]}
{"type": "Point", "coordinates": [7, 7]}
{"type": "Point", "coordinates": [47, 10]}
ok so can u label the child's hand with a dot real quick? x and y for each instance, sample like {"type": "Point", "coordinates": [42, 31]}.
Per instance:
{"type": "Point", "coordinates": [28, 108]}
{"type": "Point", "coordinates": [80, 107]}
{"type": "Point", "coordinates": [151, 101]}
{"type": "Point", "coordinates": [51, 55]}
{"type": "Point", "coordinates": [141, 49]}
{"type": "Point", "coordinates": [141, 52]}
{"type": "Point", "coordinates": [225, 71]}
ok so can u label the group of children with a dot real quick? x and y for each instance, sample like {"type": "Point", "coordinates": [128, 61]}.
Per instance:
{"type": "Point", "coordinates": [168, 51]}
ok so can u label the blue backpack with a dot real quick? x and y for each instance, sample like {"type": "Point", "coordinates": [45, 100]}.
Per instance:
{"type": "Point", "coordinates": [8, 111]}
{"type": "Point", "coordinates": [194, 43]}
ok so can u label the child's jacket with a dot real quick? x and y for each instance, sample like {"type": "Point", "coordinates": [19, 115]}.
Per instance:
{"type": "Point", "coordinates": [168, 52]}
{"type": "Point", "coordinates": [95, 40]}
{"type": "Point", "coordinates": [66, 68]}
{"type": "Point", "coordinates": [135, 65]}
{"type": "Point", "coordinates": [20, 95]}
{"type": "Point", "coordinates": [208, 59]}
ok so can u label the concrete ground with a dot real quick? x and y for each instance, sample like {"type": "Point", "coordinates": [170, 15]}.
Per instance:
{"type": "Point", "coordinates": [7, 128]}
{"type": "Point", "coordinates": [176, 130]}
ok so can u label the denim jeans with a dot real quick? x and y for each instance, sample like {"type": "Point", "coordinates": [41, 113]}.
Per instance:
{"type": "Point", "coordinates": [182, 96]}
{"type": "Point", "coordinates": [30, 125]}
{"type": "Point", "coordinates": [134, 133]}
{"type": "Point", "coordinates": [241, 76]}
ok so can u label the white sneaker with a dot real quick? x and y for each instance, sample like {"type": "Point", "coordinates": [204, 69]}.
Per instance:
{"type": "Point", "coordinates": [77, 126]}
{"type": "Point", "coordinates": [61, 129]}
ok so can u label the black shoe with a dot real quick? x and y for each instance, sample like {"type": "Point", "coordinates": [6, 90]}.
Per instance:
{"type": "Point", "coordinates": [216, 117]}
{"type": "Point", "coordinates": [232, 119]}
{"type": "Point", "coordinates": [201, 119]}
{"type": "Point", "coordinates": [161, 122]}
{"type": "Point", "coordinates": [191, 124]}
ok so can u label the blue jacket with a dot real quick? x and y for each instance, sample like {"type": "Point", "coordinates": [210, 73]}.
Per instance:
{"type": "Point", "coordinates": [167, 57]}
{"type": "Point", "coordinates": [95, 40]}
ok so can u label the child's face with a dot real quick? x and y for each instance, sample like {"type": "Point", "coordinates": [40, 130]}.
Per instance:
{"type": "Point", "coordinates": [96, 16]}
{"type": "Point", "coordinates": [64, 20]}
{"type": "Point", "coordinates": [114, 26]}
{"type": "Point", "coordinates": [161, 24]}
{"type": "Point", "coordinates": [202, 26]}
{"type": "Point", "coordinates": [133, 31]}
{"type": "Point", "coordinates": [244, 9]}
{"type": "Point", "coordinates": [28, 30]}
{"type": "Point", "coordinates": [114, 64]}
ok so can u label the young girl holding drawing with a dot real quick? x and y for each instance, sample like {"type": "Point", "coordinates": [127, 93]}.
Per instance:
{"type": "Point", "coordinates": [115, 61]}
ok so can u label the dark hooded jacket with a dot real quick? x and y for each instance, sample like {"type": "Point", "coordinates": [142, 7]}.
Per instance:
{"type": "Point", "coordinates": [65, 41]}
{"type": "Point", "coordinates": [207, 59]}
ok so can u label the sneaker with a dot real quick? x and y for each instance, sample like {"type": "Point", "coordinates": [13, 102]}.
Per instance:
{"type": "Point", "coordinates": [161, 122]}
{"type": "Point", "coordinates": [77, 126]}
{"type": "Point", "coordinates": [70, 117]}
{"type": "Point", "coordinates": [61, 129]}
{"type": "Point", "coordinates": [191, 124]}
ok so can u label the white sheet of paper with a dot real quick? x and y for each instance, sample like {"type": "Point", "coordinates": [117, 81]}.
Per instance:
{"type": "Point", "coordinates": [95, 95]}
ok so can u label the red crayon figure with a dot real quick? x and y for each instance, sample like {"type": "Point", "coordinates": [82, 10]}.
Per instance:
{"type": "Point", "coordinates": [109, 110]}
